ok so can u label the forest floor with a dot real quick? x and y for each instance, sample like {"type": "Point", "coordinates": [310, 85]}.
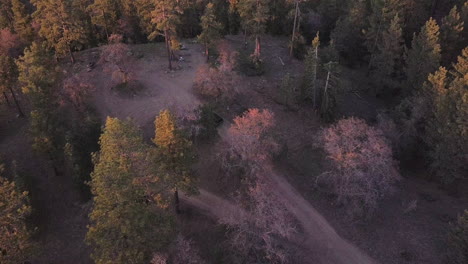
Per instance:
{"type": "Point", "coordinates": [391, 236]}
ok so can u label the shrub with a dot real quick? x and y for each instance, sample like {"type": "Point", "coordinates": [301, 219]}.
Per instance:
{"type": "Point", "coordinates": [362, 167]}
{"type": "Point", "coordinates": [458, 240]}
{"type": "Point", "coordinates": [208, 121]}
{"type": "Point", "coordinates": [250, 65]}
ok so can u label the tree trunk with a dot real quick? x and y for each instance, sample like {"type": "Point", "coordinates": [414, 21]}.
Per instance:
{"type": "Point", "coordinates": [294, 30]}
{"type": "Point", "coordinates": [207, 53]}
{"type": "Point", "coordinates": [258, 50]}
{"type": "Point", "coordinates": [176, 201]}
{"type": "Point", "coordinates": [245, 38]}
{"type": "Point", "coordinates": [72, 58]}
{"type": "Point", "coordinates": [166, 36]}
{"type": "Point", "coordinates": [314, 80]}
{"type": "Point", "coordinates": [105, 25]}
{"type": "Point", "coordinates": [20, 112]}
{"type": "Point", "coordinates": [6, 99]}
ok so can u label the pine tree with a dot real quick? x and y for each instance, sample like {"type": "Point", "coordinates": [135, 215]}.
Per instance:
{"type": "Point", "coordinates": [22, 21]}
{"type": "Point", "coordinates": [15, 236]}
{"type": "Point", "coordinates": [124, 227]}
{"type": "Point", "coordinates": [104, 13]}
{"type": "Point", "coordinates": [348, 32]}
{"type": "Point", "coordinates": [164, 19]}
{"type": "Point", "coordinates": [6, 15]}
{"type": "Point", "coordinates": [38, 75]}
{"type": "Point", "coordinates": [384, 11]}
{"type": "Point", "coordinates": [328, 96]}
{"type": "Point", "coordinates": [58, 26]}
{"type": "Point", "coordinates": [447, 128]}
{"type": "Point", "coordinates": [211, 29]}
{"type": "Point", "coordinates": [388, 58]}
{"type": "Point", "coordinates": [175, 154]}
{"type": "Point", "coordinates": [423, 57]}
{"type": "Point", "coordinates": [312, 61]}
{"type": "Point", "coordinates": [450, 36]}
{"type": "Point", "coordinates": [8, 78]}
{"type": "Point", "coordinates": [254, 15]}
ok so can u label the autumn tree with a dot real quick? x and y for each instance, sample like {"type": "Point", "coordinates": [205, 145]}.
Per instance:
{"type": "Point", "coordinates": [164, 20]}
{"type": "Point", "coordinates": [175, 156]}
{"type": "Point", "coordinates": [116, 54]}
{"type": "Point", "coordinates": [249, 142]}
{"type": "Point", "coordinates": [62, 31]}
{"type": "Point", "coordinates": [8, 79]}
{"type": "Point", "coordinates": [211, 29]}
{"type": "Point", "coordinates": [22, 21]}
{"type": "Point", "coordinates": [124, 227]}
{"type": "Point", "coordinates": [450, 36]}
{"type": "Point", "coordinates": [423, 57]}
{"type": "Point", "coordinates": [446, 127]}
{"type": "Point", "coordinates": [254, 15]}
{"type": "Point", "coordinates": [362, 169]}
{"type": "Point", "coordinates": [388, 56]}
{"type": "Point", "coordinates": [10, 43]}
{"type": "Point", "coordinates": [15, 236]}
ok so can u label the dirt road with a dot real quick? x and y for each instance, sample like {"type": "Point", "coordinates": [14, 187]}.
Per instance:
{"type": "Point", "coordinates": [320, 238]}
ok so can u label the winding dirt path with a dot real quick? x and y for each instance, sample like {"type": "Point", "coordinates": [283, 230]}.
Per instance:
{"type": "Point", "coordinates": [320, 238]}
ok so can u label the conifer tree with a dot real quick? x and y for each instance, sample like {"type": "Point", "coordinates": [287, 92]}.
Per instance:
{"type": "Point", "coordinates": [423, 57]}
{"type": "Point", "coordinates": [22, 21]}
{"type": "Point", "coordinates": [383, 12]}
{"type": "Point", "coordinates": [447, 129]}
{"type": "Point", "coordinates": [38, 76]}
{"type": "Point", "coordinates": [254, 15]}
{"type": "Point", "coordinates": [124, 227]}
{"type": "Point", "coordinates": [211, 29]}
{"type": "Point", "coordinates": [8, 78]}
{"type": "Point", "coordinates": [58, 26]}
{"type": "Point", "coordinates": [312, 61]}
{"type": "Point", "coordinates": [15, 236]}
{"type": "Point", "coordinates": [164, 19]}
{"type": "Point", "coordinates": [104, 13]}
{"type": "Point", "coordinates": [6, 15]}
{"type": "Point", "coordinates": [388, 58]}
{"type": "Point", "coordinates": [348, 32]}
{"type": "Point", "coordinates": [175, 155]}
{"type": "Point", "coordinates": [451, 36]}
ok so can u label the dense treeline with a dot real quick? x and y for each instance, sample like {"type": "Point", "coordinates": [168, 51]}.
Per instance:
{"type": "Point", "coordinates": [414, 54]}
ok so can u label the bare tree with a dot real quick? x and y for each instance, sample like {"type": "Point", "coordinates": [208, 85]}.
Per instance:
{"type": "Point", "coordinates": [362, 167]}
{"type": "Point", "coordinates": [117, 54]}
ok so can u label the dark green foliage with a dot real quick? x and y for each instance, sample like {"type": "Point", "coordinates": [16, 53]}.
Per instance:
{"type": "Point", "coordinates": [250, 65]}
{"type": "Point", "coordinates": [287, 94]}
{"type": "Point", "coordinates": [208, 121]}
{"type": "Point", "coordinates": [458, 240]}
{"type": "Point", "coordinates": [451, 36]}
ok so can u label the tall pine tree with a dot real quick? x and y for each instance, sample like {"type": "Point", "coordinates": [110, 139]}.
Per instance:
{"type": "Point", "coordinates": [254, 15]}
{"type": "Point", "coordinates": [211, 29]}
{"type": "Point", "coordinates": [451, 36]}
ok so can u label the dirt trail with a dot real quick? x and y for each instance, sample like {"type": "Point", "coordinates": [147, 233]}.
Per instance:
{"type": "Point", "coordinates": [320, 237]}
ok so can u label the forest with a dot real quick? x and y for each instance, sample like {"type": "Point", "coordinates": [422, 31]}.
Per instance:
{"type": "Point", "coordinates": [233, 131]}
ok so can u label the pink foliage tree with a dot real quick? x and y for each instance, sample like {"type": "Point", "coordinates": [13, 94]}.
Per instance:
{"type": "Point", "coordinates": [117, 59]}
{"type": "Point", "coordinates": [249, 143]}
{"type": "Point", "coordinates": [221, 82]}
{"type": "Point", "coordinates": [77, 92]}
{"type": "Point", "coordinates": [10, 43]}
{"type": "Point", "coordinates": [363, 170]}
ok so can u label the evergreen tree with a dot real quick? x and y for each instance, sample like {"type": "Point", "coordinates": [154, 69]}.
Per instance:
{"type": "Point", "coordinates": [58, 26]}
{"type": "Point", "coordinates": [451, 36]}
{"type": "Point", "coordinates": [104, 13]}
{"type": "Point", "coordinates": [22, 21]}
{"type": "Point", "coordinates": [15, 236]}
{"type": "Point", "coordinates": [254, 15]}
{"type": "Point", "coordinates": [175, 155]}
{"type": "Point", "coordinates": [124, 228]}
{"type": "Point", "coordinates": [388, 58]}
{"type": "Point", "coordinates": [6, 15]}
{"type": "Point", "coordinates": [328, 96]}
{"type": "Point", "coordinates": [312, 61]}
{"type": "Point", "coordinates": [348, 32]}
{"type": "Point", "coordinates": [38, 75]}
{"type": "Point", "coordinates": [447, 127]}
{"type": "Point", "coordinates": [383, 12]}
{"type": "Point", "coordinates": [423, 57]}
{"type": "Point", "coordinates": [211, 29]}
{"type": "Point", "coordinates": [8, 79]}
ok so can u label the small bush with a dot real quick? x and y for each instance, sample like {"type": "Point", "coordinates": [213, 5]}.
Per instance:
{"type": "Point", "coordinates": [208, 121]}
{"type": "Point", "coordinates": [458, 241]}
{"type": "Point", "coordinates": [250, 65]}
